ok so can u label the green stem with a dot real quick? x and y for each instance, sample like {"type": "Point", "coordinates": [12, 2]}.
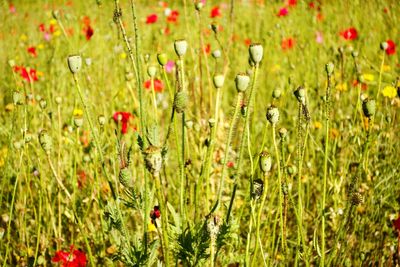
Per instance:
{"type": "Point", "coordinates": [280, 184]}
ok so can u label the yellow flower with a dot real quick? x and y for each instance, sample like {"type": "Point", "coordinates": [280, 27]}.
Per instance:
{"type": "Point", "coordinates": [341, 87]}
{"type": "Point", "coordinates": [39, 73]}
{"type": "Point", "coordinates": [122, 55]}
{"type": "Point", "coordinates": [40, 46]}
{"type": "Point", "coordinates": [368, 77]}
{"type": "Point", "coordinates": [9, 107]}
{"type": "Point", "coordinates": [276, 68]}
{"type": "Point", "coordinates": [317, 125]}
{"type": "Point", "coordinates": [389, 91]}
{"type": "Point", "coordinates": [386, 68]}
{"type": "Point", "coordinates": [53, 22]}
{"type": "Point", "coordinates": [78, 112]}
{"type": "Point", "coordinates": [151, 227]}
{"type": "Point", "coordinates": [57, 33]}
{"type": "Point", "coordinates": [23, 37]}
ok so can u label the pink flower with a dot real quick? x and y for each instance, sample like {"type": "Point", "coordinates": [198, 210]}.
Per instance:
{"type": "Point", "coordinates": [151, 19]}
{"type": "Point", "coordinates": [169, 67]}
{"type": "Point", "coordinates": [319, 38]}
{"type": "Point", "coordinates": [283, 12]}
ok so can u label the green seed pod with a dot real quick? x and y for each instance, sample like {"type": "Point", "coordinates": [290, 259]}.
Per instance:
{"type": "Point", "coordinates": [329, 68]}
{"type": "Point", "coordinates": [153, 159]}
{"type": "Point", "coordinates": [291, 169]}
{"type": "Point", "coordinates": [74, 63]}
{"type": "Point", "coordinates": [273, 115]}
{"type": "Point", "coordinates": [384, 46]}
{"type": "Point", "coordinates": [78, 121]}
{"type": "Point", "coordinates": [265, 162]}
{"type": "Point", "coordinates": [162, 59]}
{"type": "Point", "coordinates": [102, 120]}
{"type": "Point", "coordinates": [180, 47]}
{"type": "Point", "coordinates": [354, 54]}
{"type": "Point", "coordinates": [277, 93]}
{"type": "Point", "coordinates": [199, 5]}
{"type": "Point", "coordinates": [256, 53]}
{"type": "Point", "coordinates": [211, 123]}
{"type": "Point", "coordinates": [258, 189]}
{"type": "Point", "coordinates": [242, 81]}
{"type": "Point", "coordinates": [283, 133]}
{"type": "Point", "coordinates": [181, 101]}
{"type": "Point", "coordinates": [128, 76]}
{"type": "Point", "coordinates": [125, 177]}
{"type": "Point", "coordinates": [43, 104]}
{"type": "Point", "coordinates": [55, 14]}
{"type": "Point", "coordinates": [300, 94]}
{"type": "Point", "coordinates": [369, 107]}
{"type": "Point", "coordinates": [28, 137]}
{"type": "Point", "coordinates": [151, 71]}
{"type": "Point", "coordinates": [216, 54]}
{"type": "Point", "coordinates": [58, 100]}
{"type": "Point", "coordinates": [356, 199]}
{"type": "Point", "coordinates": [18, 98]}
{"type": "Point", "coordinates": [218, 80]}
{"type": "Point", "coordinates": [45, 141]}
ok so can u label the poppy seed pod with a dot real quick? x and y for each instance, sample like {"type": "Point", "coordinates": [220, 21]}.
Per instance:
{"type": "Point", "coordinates": [216, 54]}
{"type": "Point", "coordinates": [329, 68]}
{"type": "Point", "coordinates": [45, 141]}
{"type": "Point", "coordinates": [125, 177]}
{"type": "Point", "coordinates": [199, 5]}
{"type": "Point", "coordinates": [218, 80]}
{"type": "Point", "coordinates": [78, 121]}
{"type": "Point", "coordinates": [151, 71]}
{"type": "Point", "coordinates": [180, 101]}
{"type": "Point", "coordinates": [153, 159]}
{"type": "Point", "coordinates": [300, 94]}
{"type": "Point", "coordinates": [28, 137]}
{"type": "Point", "coordinates": [354, 54]}
{"type": "Point", "coordinates": [258, 189]}
{"type": "Point", "coordinates": [74, 63]}
{"type": "Point", "coordinates": [58, 100]}
{"type": "Point", "coordinates": [273, 115]}
{"type": "Point", "coordinates": [162, 59]}
{"type": "Point", "coordinates": [242, 81]}
{"type": "Point", "coordinates": [384, 46]}
{"type": "Point", "coordinates": [357, 199]}
{"type": "Point", "coordinates": [180, 47]}
{"type": "Point", "coordinates": [369, 107]}
{"type": "Point", "coordinates": [102, 120]}
{"type": "Point", "coordinates": [277, 93]}
{"type": "Point", "coordinates": [265, 162]}
{"type": "Point", "coordinates": [256, 53]}
{"type": "Point", "coordinates": [283, 133]}
{"type": "Point", "coordinates": [18, 98]}
{"type": "Point", "coordinates": [43, 103]}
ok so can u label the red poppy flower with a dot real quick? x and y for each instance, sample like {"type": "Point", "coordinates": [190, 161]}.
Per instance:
{"type": "Point", "coordinates": [155, 213]}
{"type": "Point", "coordinates": [42, 27]}
{"type": "Point", "coordinates": [311, 5]}
{"type": "Point", "coordinates": [12, 8]}
{"type": "Point", "coordinates": [396, 223]}
{"type": "Point", "coordinates": [247, 42]}
{"type": "Point", "coordinates": [124, 118]}
{"type": "Point", "coordinates": [283, 12]}
{"type": "Point", "coordinates": [230, 164]}
{"type": "Point", "coordinates": [32, 50]}
{"type": "Point", "coordinates": [151, 19]}
{"type": "Point", "coordinates": [207, 48]}
{"type": "Point", "coordinates": [86, 20]}
{"type": "Point", "coordinates": [349, 34]}
{"type": "Point", "coordinates": [158, 85]}
{"type": "Point", "coordinates": [173, 16]}
{"type": "Point", "coordinates": [82, 178]}
{"type": "Point", "coordinates": [288, 43]}
{"type": "Point", "coordinates": [292, 2]}
{"type": "Point", "coordinates": [391, 49]}
{"type": "Point", "coordinates": [25, 74]}
{"type": "Point", "coordinates": [88, 32]}
{"type": "Point", "coordinates": [215, 12]}
{"type": "Point", "coordinates": [73, 258]}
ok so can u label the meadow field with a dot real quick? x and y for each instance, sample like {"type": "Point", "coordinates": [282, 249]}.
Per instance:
{"type": "Point", "coordinates": [199, 133]}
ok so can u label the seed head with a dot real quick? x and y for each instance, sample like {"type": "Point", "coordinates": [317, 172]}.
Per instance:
{"type": "Point", "coordinates": [329, 68]}
{"type": "Point", "coordinates": [162, 59]}
{"type": "Point", "coordinates": [384, 46]}
{"type": "Point", "coordinates": [18, 98]}
{"type": "Point", "coordinates": [180, 47]}
{"type": "Point", "coordinates": [153, 159]}
{"type": "Point", "coordinates": [258, 189]}
{"type": "Point", "coordinates": [218, 80]}
{"type": "Point", "coordinates": [125, 177]}
{"type": "Point", "coordinates": [45, 141]}
{"type": "Point", "coordinates": [151, 71]}
{"type": "Point", "coordinates": [101, 119]}
{"type": "Point", "coordinates": [180, 101]}
{"type": "Point", "coordinates": [300, 94]}
{"type": "Point", "coordinates": [283, 133]}
{"type": "Point", "coordinates": [256, 53]}
{"type": "Point", "coordinates": [265, 162]}
{"type": "Point", "coordinates": [216, 54]}
{"type": "Point", "coordinates": [369, 107]}
{"type": "Point", "coordinates": [74, 63]}
{"type": "Point", "coordinates": [242, 81]}
{"type": "Point", "coordinates": [357, 199]}
{"type": "Point", "coordinates": [273, 115]}
{"type": "Point", "coordinates": [277, 93]}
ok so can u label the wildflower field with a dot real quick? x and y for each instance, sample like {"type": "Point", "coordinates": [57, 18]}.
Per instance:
{"type": "Point", "coordinates": [199, 133]}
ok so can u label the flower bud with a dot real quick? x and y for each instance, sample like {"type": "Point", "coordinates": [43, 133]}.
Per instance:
{"type": "Point", "coordinates": [242, 81]}
{"type": "Point", "coordinates": [329, 68]}
{"type": "Point", "coordinates": [162, 59]}
{"type": "Point", "coordinates": [218, 80]}
{"type": "Point", "coordinates": [45, 141]}
{"type": "Point", "coordinates": [180, 101]}
{"type": "Point", "coordinates": [216, 54]}
{"type": "Point", "coordinates": [211, 123]}
{"type": "Point", "coordinates": [256, 53]}
{"type": "Point", "coordinates": [180, 47]}
{"type": "Point", "coordinates": [265, 162]}
{"type": "Point", "coordinates": [125, 177]}
{"type": "Point", "coordinates": [74, 63]}
{"type": "Point", "coordinates": [17, 145]}
{"type": "Point", "coordinates": [300, 94]}
{"type": "Point", "coordinates": [153, 159]}
{"type": "Point", "coordinates": [369, 107]}
{"type": "Point", "coordinates": [291, 169]}
{"type": "Point", "coordinates": [151, 71]}
{"type": "Point", "coordinates": [273, 115]}
{"type": "Point", "coordinates": [277, 93]}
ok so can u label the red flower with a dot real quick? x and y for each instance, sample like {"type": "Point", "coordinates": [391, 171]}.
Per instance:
{"type": "Point", "coordinates": [32, 50]}
{"type": "Point", "coordinates": [311, 5]}
{"type": "Point", "coordinates": [230, 164]}
{"type": "Point", "coordinates": [124, 118]}
{"type": "Point", "coordinates": [215, 12]}
{"type": "Point", "coordinates": [173, 17]}
{"type": "Point", "coordinates": [158, 85]}
{"type": "Point", "coordinates": [288, 43]}
{"type": "Point", "coordinates": [42, 27]}
{"type": "Point", "coordinates": [25, 74]}
{"type": "Point", "coordinates": [396, 223]}
{"type": "Point", "coordinates": [283, 12]}
{"type": "Point", "coordinates": [207, 48]}
{"type": "Point", "coordinates": [292, 2]}
{"type": "Point", "coordinates": [86, 20]}
{"type": "Point", "coordinates": [82, 178]}
{"type": "Point", "coordinates": [151, 19]}
{"type": "Point", "coordinates": [391, 49]}
{"type": "Point", "coordinates": [88, 32]}
{"type": "Point", "coordinates": [155, 213]}
{"type": "Point", "coordinates": [73, 258]}
{"type": "Point", "coordinates": [247, 42]}
{"type": "Point", "coordinates": [349, 34]}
